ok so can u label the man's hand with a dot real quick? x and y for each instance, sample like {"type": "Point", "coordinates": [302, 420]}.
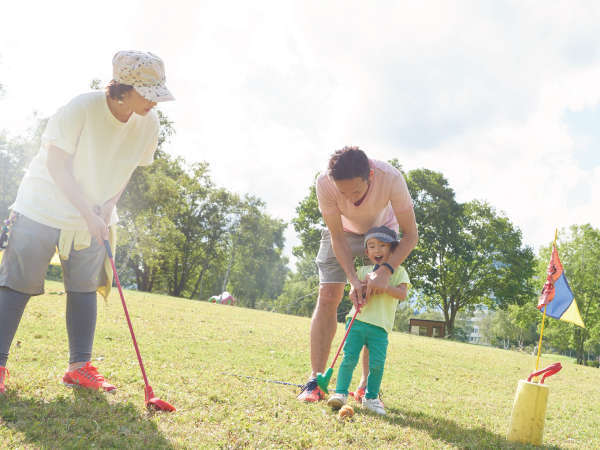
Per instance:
{"type": "Point", "coordinates": [357, 293]}
{"type": "Point", "coordinates": [377, 281]}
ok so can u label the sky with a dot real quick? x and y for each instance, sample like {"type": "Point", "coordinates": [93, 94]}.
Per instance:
{"type": "Point", "coordinates": [502, 97]}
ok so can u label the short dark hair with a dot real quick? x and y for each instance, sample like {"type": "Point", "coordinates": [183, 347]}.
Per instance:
{"type": "Point", "coordinates": [348, 163]}
{"type": "Point", "coordinates": [116, 90]}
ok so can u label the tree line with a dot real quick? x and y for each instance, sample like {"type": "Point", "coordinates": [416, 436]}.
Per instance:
{"type": "Point", "coordinates": [182, 235]}
{"type": "Point", "coordinates": [470, 258]}
{"type": "Point", "coordinates": [179, 234]}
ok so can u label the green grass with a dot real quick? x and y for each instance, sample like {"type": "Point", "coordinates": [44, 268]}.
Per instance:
{"type": "Point", "coordinates": [438, 394]}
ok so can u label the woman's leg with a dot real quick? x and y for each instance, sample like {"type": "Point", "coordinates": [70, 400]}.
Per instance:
{"type": "Point", "coordinates": [81, 326]}
{"type": "Point", "coordinates": [83, 272]}
{"type": "Point", "coordinates": [24, 265]}
{"type": "Point", "coordinates": [12, 305]}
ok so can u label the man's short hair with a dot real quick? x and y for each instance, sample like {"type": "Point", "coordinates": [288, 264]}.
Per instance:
{"type": "Point", "coordinates": [348, 163]}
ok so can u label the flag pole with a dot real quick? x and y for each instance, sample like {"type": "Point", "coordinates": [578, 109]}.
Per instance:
{"type": "Point", "coordinates": [537, 363]}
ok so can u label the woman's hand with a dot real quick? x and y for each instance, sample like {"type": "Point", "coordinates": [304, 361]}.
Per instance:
{"type": "Point", "coordinates": [97, 226]}
{"type": "Point", "coordinates": [106, 211]}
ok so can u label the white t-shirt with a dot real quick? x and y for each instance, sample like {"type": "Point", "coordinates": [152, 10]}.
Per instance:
{"type": "Point", "coordinates": [106, 152]}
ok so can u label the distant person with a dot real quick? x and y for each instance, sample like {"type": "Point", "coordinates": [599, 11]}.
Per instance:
{"type": "Point", "coordinates": [67, 199]}
{"type": "Point", "coordinates": [355, 194]}
{"type": "Point", "coordinates": [372, 324]}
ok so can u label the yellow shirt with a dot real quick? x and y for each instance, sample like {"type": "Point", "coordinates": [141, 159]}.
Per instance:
{"type": "Point", "coordinates": [380, 310]}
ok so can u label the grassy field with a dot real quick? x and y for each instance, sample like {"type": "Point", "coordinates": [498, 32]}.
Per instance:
{"type": "Point", "coordinates": [438, 394]}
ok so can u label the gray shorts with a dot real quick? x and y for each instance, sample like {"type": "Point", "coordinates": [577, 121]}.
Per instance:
{"type": "Point", "coordinates": [30, 248]}
{"type": "Point", "coordinates": [330, 270]}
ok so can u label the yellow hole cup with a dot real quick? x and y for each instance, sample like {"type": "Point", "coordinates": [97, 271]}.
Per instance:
{"type": "Point", "coordinates": [529, 408]}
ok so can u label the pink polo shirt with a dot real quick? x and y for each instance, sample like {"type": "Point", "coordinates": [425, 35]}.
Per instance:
{"type": "Point", "coordinates": [387, 193]}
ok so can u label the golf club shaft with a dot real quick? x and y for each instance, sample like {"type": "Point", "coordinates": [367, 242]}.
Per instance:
{"type": "Point", "coordinates": [263, 380]}
{"type": "Point", "coordinates": [137, 350]}
{"type": "Point", "coordinates": [345, 336]}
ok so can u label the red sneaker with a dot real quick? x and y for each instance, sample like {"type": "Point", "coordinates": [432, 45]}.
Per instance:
{"type": "Point", "coordinates": [311, 392]}
{"type": "Point", "coordinates": [87, 377]}
{"type": "Point", "coordinates": [3, 377]}
{"type": "Point", "coordinates": [358, 394]}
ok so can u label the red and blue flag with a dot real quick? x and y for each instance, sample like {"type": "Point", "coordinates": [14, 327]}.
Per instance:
{"type": "Point", "coordinates": [556, 294]}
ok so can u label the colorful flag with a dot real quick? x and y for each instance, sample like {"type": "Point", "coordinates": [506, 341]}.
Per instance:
{"type": "Point", "coordinates": [557, 296]}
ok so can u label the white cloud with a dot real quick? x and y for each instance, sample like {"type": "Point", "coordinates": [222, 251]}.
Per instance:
{"type": "Point", "coordinates": [266, 91]}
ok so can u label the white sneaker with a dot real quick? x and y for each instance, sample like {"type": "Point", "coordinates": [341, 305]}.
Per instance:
{"type": "Point", "coordinates": [336, 401]}
{"type": "Point", "coordinates": [374, 405]}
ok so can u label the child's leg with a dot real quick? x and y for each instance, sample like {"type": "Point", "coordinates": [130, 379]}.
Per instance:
{"type": "Point", "coordinates": [352, 347]}
{"type": "Point", "coordinates": [365, 368]}
{"type": "Point", "coordinates": [377, 342]}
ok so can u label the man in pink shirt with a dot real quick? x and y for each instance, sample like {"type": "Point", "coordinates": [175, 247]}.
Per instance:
{"type": "Point", "coordinates": [355, 194]}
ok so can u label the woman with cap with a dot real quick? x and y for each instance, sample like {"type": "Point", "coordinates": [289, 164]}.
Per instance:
{"type": "Point", "coordinates": [67, 199]}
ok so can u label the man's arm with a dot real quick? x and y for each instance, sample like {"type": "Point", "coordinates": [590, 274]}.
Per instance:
{"type": "Point", "coordinates": [60, 167]}
{"type": "Point", "coordinates": [343, 254]}
{"type": "Point", "coordinates": [410, 237]}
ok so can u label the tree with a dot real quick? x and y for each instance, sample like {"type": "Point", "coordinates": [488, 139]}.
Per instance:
{"type": "Point", "coordinates": [309, 224]}
{"type": "Point", "coordinates": [498, 329]}
{"type": "Point", "coordinates": [15, 155]}
{"type": "Point", "coordinates": [146, 209]}
{"type": "Point", "coordinates": [468, 254]}
{"type": "Point", "coordinates": [13, 158]}
{"type": "Point", "coordinates": [146, 227]}
{"type": "Point", "coordinates": [202, 221]}
{"type": "Point", "coordinates": [514, 326]}
{"type": "Point", "coordinates": [579, 250]}
{"type": "Point", "coordinates": [258, 270]}
{"type": "Point", "coordinates": [301, 288]}
{"type": "Point", "coordinates": [403, 315]}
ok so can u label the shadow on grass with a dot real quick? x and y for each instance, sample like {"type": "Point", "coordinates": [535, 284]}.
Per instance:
{"type": "Point", "coordinates": [448, 431]}
{"type": "Point", "coordinates": [79, 420]}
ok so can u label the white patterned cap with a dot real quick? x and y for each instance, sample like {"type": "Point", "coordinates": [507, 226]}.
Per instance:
{"type": "Point", "coordinates": [144, 71]}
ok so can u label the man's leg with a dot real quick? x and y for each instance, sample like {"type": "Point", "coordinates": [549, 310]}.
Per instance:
{"type": "Point", "coordinates": [324, 325]}
{"type": "Point", "coordinates": [322, 330]}
{"type": "Point", "coordinates": [324, 320]}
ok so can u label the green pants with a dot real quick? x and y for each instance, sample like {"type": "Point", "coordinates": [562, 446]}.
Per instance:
{"type": "Point", "coordinates": [376, 340]}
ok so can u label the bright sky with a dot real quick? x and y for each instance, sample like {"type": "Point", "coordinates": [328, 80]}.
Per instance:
{"type": "Point", "coordinates": [502, 97]}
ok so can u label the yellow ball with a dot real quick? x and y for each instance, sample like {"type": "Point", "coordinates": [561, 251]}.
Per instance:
{"type": "Point", "coordinates": [346, 412]}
